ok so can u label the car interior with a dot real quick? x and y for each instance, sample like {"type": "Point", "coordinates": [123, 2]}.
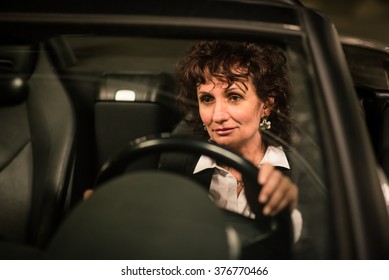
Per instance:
{"type": "Point", "coordinates": [72, 103]}
{"type": "Point", "coordinates": [38, 155]}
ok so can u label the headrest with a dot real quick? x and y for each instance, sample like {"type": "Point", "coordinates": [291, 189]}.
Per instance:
{"type": "Point", "coordinates": [134, 216]}
{"type": "Point", "coordinates": [17, 63]}
{"type": "Point", "coordinates": [156, 88]}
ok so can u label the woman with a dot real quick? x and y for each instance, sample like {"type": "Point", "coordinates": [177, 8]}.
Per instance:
{"type": "Point", "coordinates": [232, 93]}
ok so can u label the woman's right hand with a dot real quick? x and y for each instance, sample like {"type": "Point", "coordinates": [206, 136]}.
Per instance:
{"type": "Point", "coordinates": [278, 191]}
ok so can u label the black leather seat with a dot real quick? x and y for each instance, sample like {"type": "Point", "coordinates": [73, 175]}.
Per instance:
{"type": "Point", "coordinates": [130, 106]}
{"type": "Point", "coordinates": [37, 127]}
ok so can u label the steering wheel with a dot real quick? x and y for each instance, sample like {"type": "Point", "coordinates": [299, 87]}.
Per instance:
{"type": "Point", "coordinates": [263, 226]}
{"type": "Point", "coordinates": [144, 146]}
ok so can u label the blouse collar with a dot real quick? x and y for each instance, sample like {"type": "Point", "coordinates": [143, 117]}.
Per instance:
{"type": "Point", "coordinates": [273, 155]}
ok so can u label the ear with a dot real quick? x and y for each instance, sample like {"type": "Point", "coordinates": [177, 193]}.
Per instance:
{"type": "Point", "coordinates": [268, 106]}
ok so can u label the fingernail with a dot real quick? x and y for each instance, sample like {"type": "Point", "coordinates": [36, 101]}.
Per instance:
{"type": "Point", "coordinates": [266, 211]}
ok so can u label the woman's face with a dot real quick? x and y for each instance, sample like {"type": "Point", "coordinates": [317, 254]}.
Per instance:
{"type": "Point", "coordinates": [232, 114]}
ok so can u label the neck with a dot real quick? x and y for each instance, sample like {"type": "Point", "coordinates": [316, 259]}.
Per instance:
{"type": "Point", "coordinates": [255, 156]}
{"type": "Point", "coordinates": [253, 153]}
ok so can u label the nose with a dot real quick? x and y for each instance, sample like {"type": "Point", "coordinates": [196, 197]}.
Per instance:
{"type": "Point", "coordinates": [220, 112]}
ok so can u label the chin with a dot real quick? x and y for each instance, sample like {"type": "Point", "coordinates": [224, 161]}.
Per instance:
{"type": "Point", "coordinates": [223, 141]}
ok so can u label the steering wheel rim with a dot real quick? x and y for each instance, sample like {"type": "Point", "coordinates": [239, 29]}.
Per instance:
{"type": "Point", "coordinates": [167, 143]}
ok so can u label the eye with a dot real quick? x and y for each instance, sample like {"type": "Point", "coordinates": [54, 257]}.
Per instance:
{"type": "Point", "coordinates": [206, 99]}
{"type": "Point", "coordinates": [235, 97]}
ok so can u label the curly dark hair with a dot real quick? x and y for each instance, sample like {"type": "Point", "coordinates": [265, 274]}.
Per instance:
{"type": "Point", "coordinates": [264, 63]}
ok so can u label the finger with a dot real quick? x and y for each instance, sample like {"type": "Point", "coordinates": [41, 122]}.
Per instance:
{"type": "Point", "coordinates": [277, 202]}
{"type": "Point", "coordinates": [284, 195]}
{"type": "Point", "coordinates": [277, 199]}
{"type": "Point", "coordinates": [273, 178]}
{"type": "Point", "coordinates": [264, 173]}
{"type": "Point", "coordinates": [87, 193]}
{"type": "Point", "coordinates": [268, 211]}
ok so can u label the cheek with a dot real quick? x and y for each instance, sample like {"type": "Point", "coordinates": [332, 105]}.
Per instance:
{"type": "Point", "coordinates": [259, 112]}
{"type": "Point", "coordinates": [250, 118]}
{"type": "Point", "coordinates": [204, 115]}
{"type": "Point", "coordinates": [248, 115]}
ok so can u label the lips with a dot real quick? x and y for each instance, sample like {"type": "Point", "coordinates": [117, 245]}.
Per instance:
{"type": "Point", "coordinates": [223, 131]}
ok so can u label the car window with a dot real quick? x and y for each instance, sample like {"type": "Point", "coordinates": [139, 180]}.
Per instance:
{"type": "Point", "coordinates": [368, 64]}
{"type": "Point", "coordinates": [123, 88]}
{"type": "Point", "coordinates": [109, 64]}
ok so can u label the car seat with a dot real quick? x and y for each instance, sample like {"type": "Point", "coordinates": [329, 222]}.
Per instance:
{"type": "Point", "coordinates": [36, 146]}
{"type": "Point", "coordinates": [130, 106]}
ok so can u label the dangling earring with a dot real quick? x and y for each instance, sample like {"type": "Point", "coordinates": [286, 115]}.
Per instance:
{"type": "Point", "coordinates": [205, 128]}
{"type": "Point", "coordinates": [265, 124]}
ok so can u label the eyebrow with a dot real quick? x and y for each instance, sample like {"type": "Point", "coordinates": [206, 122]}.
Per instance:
{"type": "Point", "coordinates": [234, 86]}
